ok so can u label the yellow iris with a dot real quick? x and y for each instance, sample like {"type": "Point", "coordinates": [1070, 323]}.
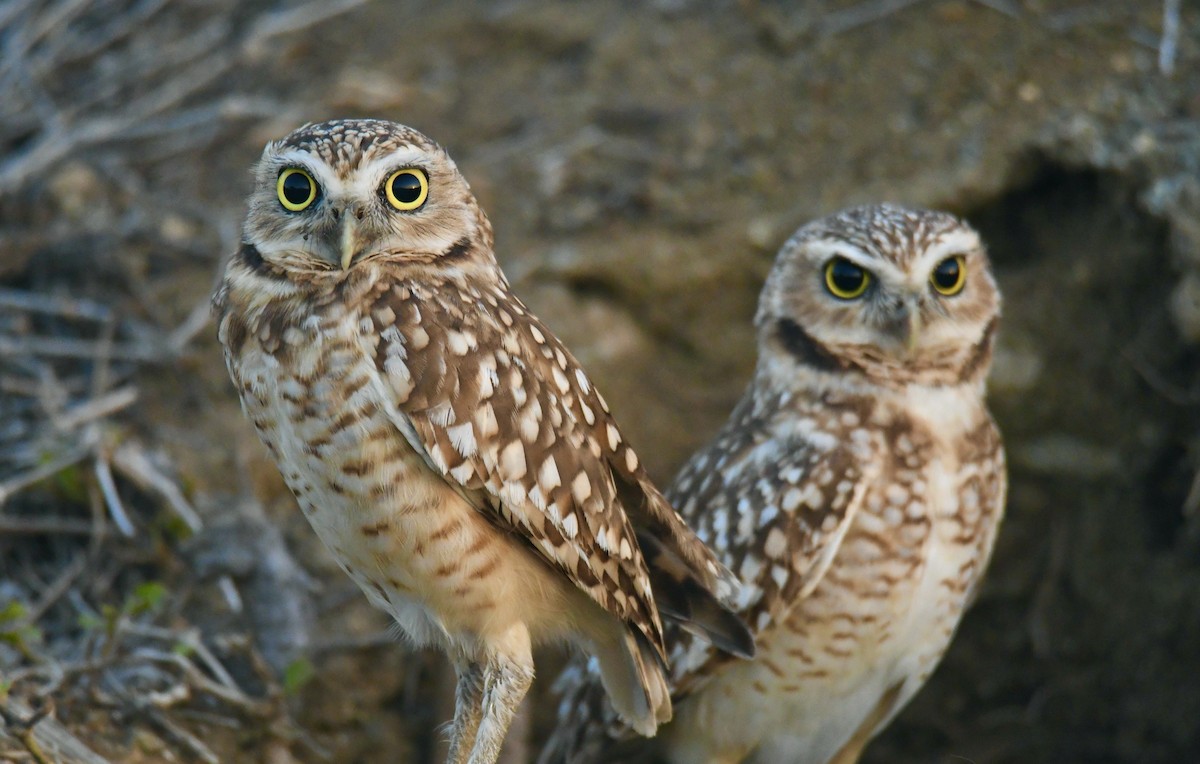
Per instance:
{"type": "Point", "coordinates": [950, 276]}
{"type": "Point", "coordinates": [407, 189]}
{"type": "Point", "coordinates": [296, 189]}
{"type": "Point", "coordinates": [845, 280]}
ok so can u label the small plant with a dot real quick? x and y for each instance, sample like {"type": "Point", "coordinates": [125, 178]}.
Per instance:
{"type": "Point", "coordinates": [297, 674]}
{"type": "Point", "coordinates": [16, 630]}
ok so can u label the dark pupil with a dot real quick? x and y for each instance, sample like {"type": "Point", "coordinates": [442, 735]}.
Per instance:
{"type": "Point", "coordinates": [297, 188]}
{"type": "Point", "coordinates": [946, 274]}
{"type": "Point", "coordinates": [846, 276]}
{"type": "Point", "coordinates": [406, 188]}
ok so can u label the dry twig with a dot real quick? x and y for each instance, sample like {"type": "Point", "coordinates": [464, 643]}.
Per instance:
{"type": "Point", "coordinates": [839, 22]}
{"type": "Point", "coordinates": [47, 741]}
{"type": "Point", "coordinates": [1169, 41]}
{"type": "Point", "coordinates": [132, 460]}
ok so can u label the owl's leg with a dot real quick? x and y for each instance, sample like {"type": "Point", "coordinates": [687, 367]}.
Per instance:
{"type": "Point", "coordinates": [508, 673]}
{"type": "Point", "coordinates": [849, 753]}
{"type": "Point", "coordinates": [468, 710]}
{"type": "Point", "coordinates": [505, 685]}
{"type": "Point", "coordinates": [852, 750]}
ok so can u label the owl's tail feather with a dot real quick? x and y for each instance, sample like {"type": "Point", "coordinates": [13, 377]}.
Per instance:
{"type": "Point", "coordinates": [588, 730]}
{"type": "Point", "coordinates": [690, 584]}
{"type": "Point", "coordinates": [682, 598]}
{"type": "Point", "coordinates": [634, 678]}
{"type": "Point", "coordinates": [651, 673]}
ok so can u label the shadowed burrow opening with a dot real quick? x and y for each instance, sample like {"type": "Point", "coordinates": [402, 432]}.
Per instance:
{"type": "Point", "coordinates": [1076, 647]}
{"type": "Point", "coordinates": [1091, 378]}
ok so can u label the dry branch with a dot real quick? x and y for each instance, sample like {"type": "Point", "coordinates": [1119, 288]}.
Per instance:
{"type": "Point", "coordinates": [54, 743]}
{"type": "Point", "coordinates": [1169, 42]}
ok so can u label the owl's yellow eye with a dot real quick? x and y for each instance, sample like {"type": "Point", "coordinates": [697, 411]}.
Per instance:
{"type": "Point", "coordinates": [407, 189]}
{"type": "Point", "coordinates": [950, 275]}
{"type": "Point", "coordinates": [296, 189]}
{"type": "Point", "coordinates": [845, 280]}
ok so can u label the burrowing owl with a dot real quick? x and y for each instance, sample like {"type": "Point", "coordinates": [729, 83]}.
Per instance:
{"type": "Point", "coordinates": [444, 445]}
{"type": "Point", "coordinates": [856, 490]}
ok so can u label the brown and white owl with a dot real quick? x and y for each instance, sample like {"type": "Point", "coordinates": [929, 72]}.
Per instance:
{"type": "Point", "coordinates": [856, 490]}
{"type": "Point", "coordinates": [445, 446]}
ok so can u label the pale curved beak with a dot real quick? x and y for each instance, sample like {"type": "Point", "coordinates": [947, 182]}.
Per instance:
{"type": "Point", "coordinates": [350, 243]}
{"type": "Point", "coordinates": [912, 331]}
{"type": "Point", "coordinates": [908, 325]}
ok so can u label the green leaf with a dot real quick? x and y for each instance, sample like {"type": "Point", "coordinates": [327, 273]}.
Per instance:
{"type": "Point", "coordinates": [145, 598]}
{"type": "Point", "coordinates": [173, 527]}
{"type": "Point", "coordinates": [72, 483]}
{"type": "Point", "coordinates": [14, 630]}
{"type": "Point", "coordinates": [21, 636]}
{"type": "Point", "coordinates": [297, 674]}
{"type": "Point", "coordinates": [13, 611]}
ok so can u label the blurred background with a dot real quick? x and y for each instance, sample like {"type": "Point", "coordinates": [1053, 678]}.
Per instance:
{"type": "Point", "coordinates": [161, 599]}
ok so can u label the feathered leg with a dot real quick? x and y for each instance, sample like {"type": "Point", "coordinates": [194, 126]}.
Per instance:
{"type": "Point", "coordinates": [468, 710]}
{"type": "Point", "coordinates": [504, 686]}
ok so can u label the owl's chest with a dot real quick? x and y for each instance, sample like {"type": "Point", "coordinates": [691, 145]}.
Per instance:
{"type": "Point", "coordinates": [878, 622]}
{"type": "Point", "coordinates": [888, 607]}
{"type": "Point", "coordinates": [920, 541]}
{"type": "Point", "coordinates": [319, 406]}
{"type": "Point", "coordinates": [416, 547]}
{"type": "Point", "coordinates": [316, 399]}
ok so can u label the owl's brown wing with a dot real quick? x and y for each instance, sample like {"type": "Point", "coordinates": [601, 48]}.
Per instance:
{"type": "Point", "coordinates": [775, 506]}
{"type": "Point", "coordinates": [497, 405]}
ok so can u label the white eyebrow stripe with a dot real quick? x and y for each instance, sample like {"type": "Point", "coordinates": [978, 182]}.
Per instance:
{"type": "Point", "coordinates": [958, 242]}
{"type": "Point", "coordinates": [368, 177]}
{"type": "Point", "coordinates": [365, 178]}
{"type": "Point", "coordinates": [880, 268]}
{"type": "Point", "coordinates": [329, 182]}
{"type": "Point", "coordinates": [406, 156]}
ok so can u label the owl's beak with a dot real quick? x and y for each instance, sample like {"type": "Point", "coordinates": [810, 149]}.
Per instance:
{"type": "Point", "coordinates": [909, 326]}
{"type": "Point", "coordinates": [349, 240]}
{"type": "Point", "coordinates": [912, 331]}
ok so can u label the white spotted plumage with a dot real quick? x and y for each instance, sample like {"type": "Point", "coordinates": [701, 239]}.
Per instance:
{"type": "Point", "coordinates": [856, 490]}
